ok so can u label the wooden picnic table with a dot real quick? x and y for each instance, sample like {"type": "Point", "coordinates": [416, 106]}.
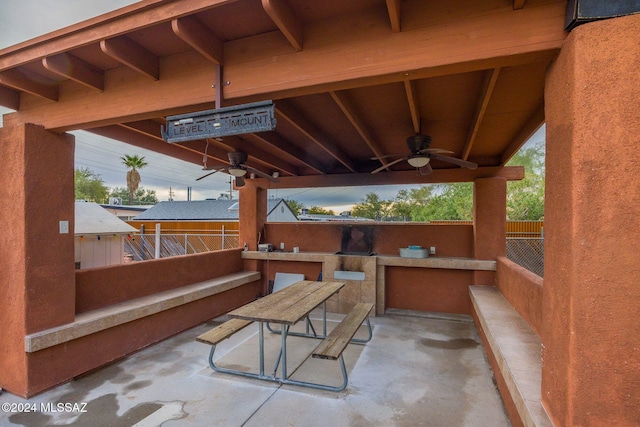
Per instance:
{"type": "Point", "coordinates": [287, 307]}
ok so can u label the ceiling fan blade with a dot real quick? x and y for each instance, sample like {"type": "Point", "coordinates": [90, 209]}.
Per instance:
{"type": "Point", "coordinates": [434, 151]}
{"type": "Point", "coordinates": [387, 156]}
{"type": "Point", "coordinates": [239, 181]}
{"type": "Point", "coordinates": [260, 173]}
{"type": "Point", "coordinates": [389, 164]}
{"type": "Point", "coordinates": [210, 173]}
{"type": "Point", "coordinates": [426, 170]}
{"type": "Point", "coordinates": [455, 161]}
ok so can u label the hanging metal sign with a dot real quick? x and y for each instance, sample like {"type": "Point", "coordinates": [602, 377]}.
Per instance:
{"type": "Point", "coordinates": [235, 120]}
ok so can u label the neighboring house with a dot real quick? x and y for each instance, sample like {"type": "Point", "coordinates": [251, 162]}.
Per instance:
{"type": "Point", "coordinates": [125, 212]}
{"type": "Point", "coordinates": [331, 218]}
{"type": "Point", "coordinates": [99, 236]}
{"type": "Point", "coordinates": [206, 215]}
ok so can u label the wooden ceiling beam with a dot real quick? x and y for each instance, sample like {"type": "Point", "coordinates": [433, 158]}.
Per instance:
{"type": "Point", "coordinates": [524, 134]}
{"type": "Point", "coordinates": [122, 21]}
{"type": "Point", "coordinates": [489, 84]}
{"type": "Point", "coordinates": [73, 68]}
{"type": "Point", "coordinates": [197, 35]}
{"type": "Point", "coordinates": [151, 131]}
{"type": "Point", "coordinates": [510, 173]}
{"type": "Point", "coordinates": [257, 154]}
{"type": "Point", "coordinates": [134, 56]}
{"type": "Point", "coordinates": [291, 150]}
{"type": "Point", "coordinates": [304, 126]}
{"type": "Point", "coordinates": [393, 7]}
{"type": "Point", "coordinates": [147, 127]}
{"type": "Point", "coordinates": [412, 98]}
{"type": "Point", "coordinates": [18, 81]}
{"type": "Point", "coordinates": [284, 17]}
{"type": "Point", "coordinates": [358, 123]}
{"type": "Point", "coordinates": [9, 98]}
{"type": "Point", "coordinates": [138, 139]}
{"type": "Point", "coordinates": [272, 162]}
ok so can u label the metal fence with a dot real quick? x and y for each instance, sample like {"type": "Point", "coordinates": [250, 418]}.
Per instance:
{"type": "Point", "coordinates": [143, 246]}
{"type": "Point", "coordinates": [527, 252]}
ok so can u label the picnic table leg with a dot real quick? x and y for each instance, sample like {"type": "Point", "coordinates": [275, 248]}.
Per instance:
{"type": "Point", "coordinates": [324, 319]}
{"type": "Point", "coordinates": [362, 341]}
{"type": "Point", "coordinates": [285, 330]}
{"type": "Point", "coordinates": [261, 338]}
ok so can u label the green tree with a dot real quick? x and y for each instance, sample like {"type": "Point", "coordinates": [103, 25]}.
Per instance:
{"type": "Point", "coordinates": [317, 210]}
{"type": "Point", "coordinates": [373, 207]}
{"type": "Point", "coordinates": [89, 186]}
{"type": "Point", "coordinates": [408, 202]}
{"type": "Point", "coordinates": [134, 163]}
{"type": "Point", "coordinates": [142, 196]}
{"type": "Point", "coordinates": [525, 198]}
{"type": "Point", "coordinates": [295, 206]}
{"type": "Point", "coordinates": [449, 202]}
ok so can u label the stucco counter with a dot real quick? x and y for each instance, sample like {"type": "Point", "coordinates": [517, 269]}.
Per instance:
{"type": "Point", "coordinates": [452, 263]}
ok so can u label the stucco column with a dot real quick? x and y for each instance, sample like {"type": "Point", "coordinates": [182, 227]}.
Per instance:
{"type": "Point", "coordinates": [37, 276]}
{"type": "Point", "coordinates": [489, 223]}
{"type": "Point", "coordinates": [253, 215]}
{"type": "Point", "coordinates": [591, 293]}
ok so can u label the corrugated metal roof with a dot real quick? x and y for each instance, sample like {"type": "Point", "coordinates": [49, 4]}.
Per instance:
{"type": "Point", "coordinates": [194, 210]}
{"type": "Point", "coordinates": [91, 218]}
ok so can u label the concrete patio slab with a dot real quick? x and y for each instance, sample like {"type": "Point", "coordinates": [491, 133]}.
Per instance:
{"type": "Point", "coordinates": [415, 371]}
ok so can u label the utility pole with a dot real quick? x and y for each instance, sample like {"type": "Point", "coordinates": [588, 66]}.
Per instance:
{"type": "Point", "coordinates": [170, 194]}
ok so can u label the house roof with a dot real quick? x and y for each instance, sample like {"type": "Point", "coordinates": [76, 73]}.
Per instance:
{"type": "Point", "coordinates": [91, 218]}
{"type": "Point", "coordinates": [198, 210]}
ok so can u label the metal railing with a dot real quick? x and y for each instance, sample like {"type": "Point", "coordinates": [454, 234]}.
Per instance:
{"type": "Point", "coordinates": [143, 246]}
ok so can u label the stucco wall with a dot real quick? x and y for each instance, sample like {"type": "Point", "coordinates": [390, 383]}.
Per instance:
{"type": "Point", "coordinates": [523, 290]}
{"type": "Point", "coordinates": [104, 286]}
{"type": "Point", "coordinates": [421, 289]}
{"type": "Point", "coordinates": [36, 266]}
{"type": "Point", "coordinates": [450, 240]}
{"type": "Point", "coordinates": [591, 332]}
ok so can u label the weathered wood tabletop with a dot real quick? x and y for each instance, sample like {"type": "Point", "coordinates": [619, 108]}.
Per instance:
{"type": "Point", "coordinates": [289, 305]}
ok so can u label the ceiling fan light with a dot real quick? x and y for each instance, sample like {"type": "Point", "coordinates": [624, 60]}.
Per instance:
{"type": "Point", "coordinates": [418, 161]}
{"type": "Point", "coordinates": [237, 171]}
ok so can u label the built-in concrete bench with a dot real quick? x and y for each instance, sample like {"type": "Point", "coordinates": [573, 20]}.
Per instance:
{"type": "Point", "coordinates": [108, 317]}
{"type": "Point", "coordinates": [517, 350]}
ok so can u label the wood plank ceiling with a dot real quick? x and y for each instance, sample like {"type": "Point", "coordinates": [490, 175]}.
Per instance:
{"type": "Point", "coordinates": [351, 80]}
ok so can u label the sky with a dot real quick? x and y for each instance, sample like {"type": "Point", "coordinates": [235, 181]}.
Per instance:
{"type": "Point", "coordinates": [22, 20]}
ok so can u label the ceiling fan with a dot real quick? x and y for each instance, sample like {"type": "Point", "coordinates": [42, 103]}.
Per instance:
{"type": "Point", "coordinates": [237, 168]}
{"type": "Point", "coordinates": [421, 156]}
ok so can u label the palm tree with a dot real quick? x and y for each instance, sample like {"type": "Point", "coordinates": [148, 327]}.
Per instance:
{"type": "Point", "coordinates": [134, 163]}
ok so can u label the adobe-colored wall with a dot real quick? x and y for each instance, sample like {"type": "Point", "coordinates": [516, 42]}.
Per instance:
{"type": "Point", "coordinates": [426, 289]}
{"type": "Point", "coordinates": [591, 332]}
{"type": "Point", "coordinates": [490, 224]}
{"type": "Point", "coordinates": [103, 286]}
{"type": "Point", "coordinates": [36, 261]}
{"type": "Point", "coordinates": [523, 290]}
{"type": "Point", "coordinates": [450, 240]}
{"type": "Point", "coordinates": [419, 289]}
{"type": "Point", "coordinates": [56, 365]}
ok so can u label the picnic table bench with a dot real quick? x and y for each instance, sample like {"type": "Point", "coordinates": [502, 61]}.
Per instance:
{"type": "Point", "coordinates": [287, 307]}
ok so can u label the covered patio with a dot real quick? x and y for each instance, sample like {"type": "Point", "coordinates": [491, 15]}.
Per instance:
{"type": "Point", "coordinates": [417, 371]}
{"type": "Point", "coordinates": [351, 82]}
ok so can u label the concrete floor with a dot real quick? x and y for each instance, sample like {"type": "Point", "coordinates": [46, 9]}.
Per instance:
{"type": "Point", "coordinates": [416, 371]}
